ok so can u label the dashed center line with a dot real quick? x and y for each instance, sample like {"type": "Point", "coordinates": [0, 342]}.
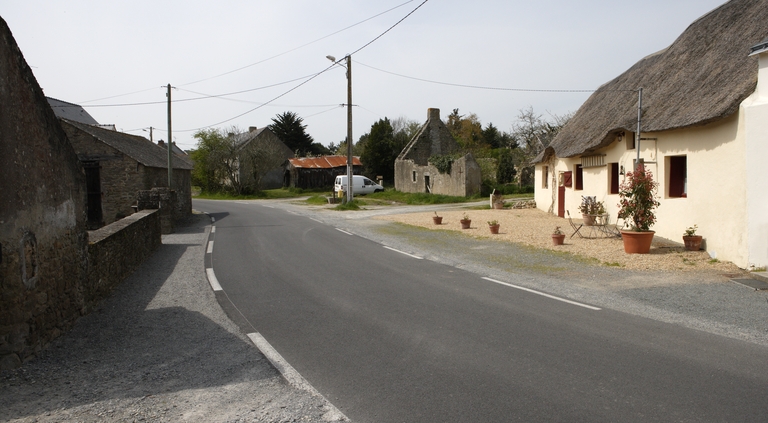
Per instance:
{"type": "Point", "coordinates": [343, 231]}
{"type": "Point", "coordinates": [403, 252]}
{"type": "Point", "coordinates": [543, 294]}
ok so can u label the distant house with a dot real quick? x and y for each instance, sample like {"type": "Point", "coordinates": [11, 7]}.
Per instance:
{"type": "Point", "coordinates": [261, 159]}
{"type": "Point", "coordinates": [415, 173]}
{"type": "Point", "coordinates": [704, 136]}
{"type": "Point", "coordinates": [118, 165]}
{"type": "Point", "coordinates": [318, 172]}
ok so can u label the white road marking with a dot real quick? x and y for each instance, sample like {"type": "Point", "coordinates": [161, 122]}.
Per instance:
{"type": "Point", "coordinates": [318, 221]}
{"type": "Point", "coordinates": [543, 294]}
{"type": "Point", "coordinates": [213, 219]}
{"type": "Point", "coordinates": [210, 247]}
{"type": "Point", "coordinates": [212, 280]}
{"type": "Point", "coordinates": [403, 252]}
{"type": "Point", "coordinates": [343, 231]}
{"type": "Point", "coordinates": [290, 374]}
{"type": "Point", "coordinates": [213, 229]}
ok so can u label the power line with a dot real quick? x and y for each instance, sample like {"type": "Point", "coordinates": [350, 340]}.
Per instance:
{"type": "Point", "coordinates": [477, 86]}
{"type": "Point", "coordinates": [253, 64]}
{"type": "Point", "coordinates": [301, 46]}
{"type": "Point", "coordinates": [309, 79]}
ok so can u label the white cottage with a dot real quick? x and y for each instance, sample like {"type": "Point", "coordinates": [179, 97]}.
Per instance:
{"type": "Point", "coordinates": [704, 136]}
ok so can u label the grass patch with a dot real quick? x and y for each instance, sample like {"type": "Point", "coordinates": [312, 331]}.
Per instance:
{"type": "Point", "coordinates": [713, 261]}
{"type": "Point", "coordinates": [612, 264]}
{"type": "Point", "coordinates": [317, 200]}
{"type": "Point", "coordinates": [267, 194]}
{"type": "Point", "coordinates": [418, 198]}
{"type": "Point", "coordinates": [350, 205]}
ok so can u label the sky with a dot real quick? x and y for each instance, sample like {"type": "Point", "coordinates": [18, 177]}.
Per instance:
{"type": "Point", "coordinates": [237, 63]}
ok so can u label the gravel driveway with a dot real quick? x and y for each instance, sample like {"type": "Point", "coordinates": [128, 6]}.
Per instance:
{"type": "Point", "coordinates": [161, 348]}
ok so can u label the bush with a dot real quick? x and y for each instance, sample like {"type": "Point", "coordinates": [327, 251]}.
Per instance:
{"type": "Point", "coordinates": [504, 189]}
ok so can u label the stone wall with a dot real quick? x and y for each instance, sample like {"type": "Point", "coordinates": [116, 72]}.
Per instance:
{"type": "Point", "coordinates": [163, 200]}
{"type": "Point", "coordinates": [182, 188]}
{"type": "Point", "coordinates": [43, 238]}
{"type": "Point", "coordinates": [116, 250]}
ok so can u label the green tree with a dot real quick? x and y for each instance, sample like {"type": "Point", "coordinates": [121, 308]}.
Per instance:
{"type": "Point", "coordinates": [289, 128]}
{"type": "Point", "coordinates": [208, 172]}
{"type": "Point", "coordinates": [378, 156]}
{"type": "Point", "coordinates": [505, 169]}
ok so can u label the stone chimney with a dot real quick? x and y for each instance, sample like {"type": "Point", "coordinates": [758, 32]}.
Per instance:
{"type": "Point", "coordinates": [161, 143]}
{"type": "Point", "coordinates": [433, 114]}
{"type": "Point", "coordinates": [252, 128]}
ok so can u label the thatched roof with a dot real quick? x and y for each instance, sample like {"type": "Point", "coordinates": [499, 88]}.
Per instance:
{"type": "Point", "coordinates": [702, 77]}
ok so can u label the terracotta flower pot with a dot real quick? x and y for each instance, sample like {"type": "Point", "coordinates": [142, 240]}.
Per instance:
{"type": "Point", "coordinates": [692, 243]}
{"type": "Point", "coordinates": [437, 220]}
{"type": "Point", "coordinates": [558, 239]}
{"type": "Point", "coordinates": [589, 219]}
{"type": "Point", "coordinates": [465, 223]}
{"type": "Point", "coordinates": [637, 242]}
{"type": "Point", "coordinates": [494, 229]}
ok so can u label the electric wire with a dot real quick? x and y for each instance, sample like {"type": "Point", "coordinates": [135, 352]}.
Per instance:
{"type": "Point", "coordinates": [256, 63]}
{"type": "Point", "coordinates": [299, 47]}
{"type": "Point", "coordinates": [309, 79]}
{"type": "Point", "coordinates": [475, 86]}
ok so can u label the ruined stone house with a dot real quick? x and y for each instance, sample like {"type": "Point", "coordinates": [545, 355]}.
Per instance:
{"type": "Point", "coordinates": [119, 165]}
{"type": "Point", "coordinates": [416, 170]}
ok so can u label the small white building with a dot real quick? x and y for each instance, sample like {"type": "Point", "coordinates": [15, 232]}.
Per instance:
{"type": "Point", "coordinates": [704, 136]}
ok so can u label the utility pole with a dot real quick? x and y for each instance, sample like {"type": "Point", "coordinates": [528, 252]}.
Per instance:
{"type": "Point", "coordinates": [169, 143]}
{"type": "Point", "coordinates": [350, 172]}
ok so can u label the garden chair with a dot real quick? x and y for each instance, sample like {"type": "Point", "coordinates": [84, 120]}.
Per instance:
{"type": "Point", "coordinates": [575, 227]}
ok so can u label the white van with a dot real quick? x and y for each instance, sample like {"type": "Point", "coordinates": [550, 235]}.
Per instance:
{"type": "Point", "coordinates": [360, 185]}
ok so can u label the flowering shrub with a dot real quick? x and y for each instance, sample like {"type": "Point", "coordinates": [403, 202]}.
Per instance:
{"type": "Point", "coordinates": [638, 199]}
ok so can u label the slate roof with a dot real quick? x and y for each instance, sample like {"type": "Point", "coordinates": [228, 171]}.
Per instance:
{"type": "Point", "coordinates": [323, 162]}
{"type": "Point", "coordinates": [70, 111]}
{"type": "Point", "coordinates": [701, 78]}
{"type": "Point", "coordinates": [138, 148]}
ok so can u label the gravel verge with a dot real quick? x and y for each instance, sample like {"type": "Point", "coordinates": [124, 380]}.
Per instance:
{"type": "Point", "coordinates": [159, 349]}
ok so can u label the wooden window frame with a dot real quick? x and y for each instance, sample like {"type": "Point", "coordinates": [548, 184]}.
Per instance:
{"type": "Point", "coordinates": [613, 178]}
{"type": "Point", "coordinates": [677, 186]}
{"type": "Point", "coordinates": [578, 178]}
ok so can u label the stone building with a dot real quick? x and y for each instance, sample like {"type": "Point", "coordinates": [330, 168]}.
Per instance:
{"type": "Point", "coordinates": [119, 165]}
{"type": "Point", "coordinates": [416, 170]}
{"type": "Point", "coordinates": [43, 238]}
{"type": "Point", "coordinates": [261, 159]}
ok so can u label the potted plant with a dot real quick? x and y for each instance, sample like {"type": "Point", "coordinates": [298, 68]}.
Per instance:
{"type": "Point", "coordinates": [590, 208]}
{"type": "Point", "coordinates": [437, 219]}
{"type": "Point", "coordinates": [494, 225]}
{"type": "Point", "coordinates": [465, 221]}
{"type": "Point", "coordinates": [691, 240]}
{"type": "Point", "coordinates": [637, 201]}
{"type": "Point", "coordinates": [558, 237]}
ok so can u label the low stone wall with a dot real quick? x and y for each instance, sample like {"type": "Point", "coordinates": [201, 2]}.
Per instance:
{"type": "Point", "coordinates": [116, 250]}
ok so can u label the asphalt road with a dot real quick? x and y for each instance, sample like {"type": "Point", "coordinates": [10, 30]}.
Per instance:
{"type": "Point", "coordinates": [388, 337]}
